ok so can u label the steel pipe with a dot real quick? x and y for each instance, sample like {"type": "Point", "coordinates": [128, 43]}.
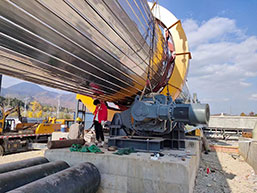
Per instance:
{"type": "Point", "coordinates": [17, 178]}
{"type": "Point", "coordinates": [22, 164]}
{"type": "Point", "coordinates": [64, 143]}
{"type": "Point", "coordinates": [83, 178]}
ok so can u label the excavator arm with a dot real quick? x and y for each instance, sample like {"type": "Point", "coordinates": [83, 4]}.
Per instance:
{"type": "Point", "coordinates": [13, 110]}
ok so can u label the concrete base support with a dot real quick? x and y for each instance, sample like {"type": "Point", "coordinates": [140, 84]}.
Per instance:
{"type": "Point", "coordinates": [248, 149]}
{"type": "Point", "coordinates": [173, 173]}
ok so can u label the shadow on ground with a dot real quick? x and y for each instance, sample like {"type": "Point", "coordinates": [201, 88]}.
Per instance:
{"type": "Point", "coordinates": [216, 180]}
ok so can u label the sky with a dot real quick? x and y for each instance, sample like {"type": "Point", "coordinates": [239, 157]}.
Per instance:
{"type": "Point", "coordinates": [8, 81]}
{"type": "Point", "coordinates": [222, 36]}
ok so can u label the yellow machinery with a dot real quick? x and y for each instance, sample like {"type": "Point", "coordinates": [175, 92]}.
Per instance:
{"type": "Point", "coordinates": [5, 114]}
{"type": "Point", "coordinates": [66, 122]}
{"type": "Point", "coordinates": [53, 124]}
{"type": "Point", "coordinates": [18, 138]}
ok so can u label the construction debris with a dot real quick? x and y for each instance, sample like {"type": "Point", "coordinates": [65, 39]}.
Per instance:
{"type": "Point", "coordinates": [125, 151]}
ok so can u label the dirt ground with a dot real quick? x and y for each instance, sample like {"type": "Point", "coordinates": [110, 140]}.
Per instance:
{"type": "Point", "coordinates": [229, 173]}
{"type": "Point", "coordinates": [21, 156]}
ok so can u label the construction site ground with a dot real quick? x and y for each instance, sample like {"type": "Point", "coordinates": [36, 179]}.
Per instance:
{"type": "Point", "coordinates": [21, 156]}
{"type": "Point", "coordinates": [228, 172]}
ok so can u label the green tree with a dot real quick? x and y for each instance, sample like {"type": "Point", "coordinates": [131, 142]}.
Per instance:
{"type": "Point", "coordinates": [67, 116]}
{"type": "Point", "coordinates": [45, 108]}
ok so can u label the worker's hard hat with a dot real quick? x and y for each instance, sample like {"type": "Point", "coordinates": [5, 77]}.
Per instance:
{"type": "Point", "coordinates": [79, 119]}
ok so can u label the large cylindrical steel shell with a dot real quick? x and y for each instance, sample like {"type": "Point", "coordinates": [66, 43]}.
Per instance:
{"type": "Point", "coordinates": [22, 164]}
{"type": "Point", "coordinates": [92, 47]}
{"type": "Point", "coordinates": [82, 178]}
{"type": "Point", "coordinates": [17, 178]}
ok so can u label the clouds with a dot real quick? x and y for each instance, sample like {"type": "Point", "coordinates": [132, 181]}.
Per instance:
{"type": "Point", "coordinates": [253, 97]}
{"type": "Point", "coordinates": [211, 30]}
{"type": "Point", "coordinates": [224, 62]}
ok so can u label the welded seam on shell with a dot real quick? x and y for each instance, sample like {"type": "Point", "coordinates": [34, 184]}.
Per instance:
{"type": "Point", "coordinates": [17, 70]}
{"type": "Point", "coordinates": [140, 20]}
{"type": "Point", "coordinates": [74, 27]}
{"type": "Point", "coordinates": [61, 50]}
{"type": "Point", "coordinates": [37, 75]}
{"type": "Point", "coordinates": [153, 36]}
{"type": "Point", "coordinates": [142, 23]}
{"type": "Point", "coordinates": [118, 34]}
{"type": "Point", "coordinates": [58, 60]}
{"type": "Point", "coordinates": [100, 15]}
{"type": "Point", "coordinates": [147, 17]}
{"type": "Point", "coordinates": [142, 46]}
{"type": "Point", "coordinates": [99, 31]}
{"type": "Point", "coordinates": [146, 9]}
{"type": "Point", "coordinates": [141, 34]}
{"type": "Point", "coordinates": [84, 35]}
{"type": "Point", "coordinates": [36, 80]}
{"type": "Point", "coordinates": [49, 78]}
{"type": "Point", "coordinates": [5, 69]}
{"type": "Point", "coordinates": [125, 27]}
{"type": "Point", "coordinates": [45, 64]}
{"type": "Point", "coordinates": [54, 45]}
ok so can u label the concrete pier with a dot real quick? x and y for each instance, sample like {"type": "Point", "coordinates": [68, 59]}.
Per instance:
{"type": "Point", "coordinates": [175, 172]}
{"type": "Point", "coordinates": [248, 149]}
{"type": "Point", "coordinates": [232, 122]}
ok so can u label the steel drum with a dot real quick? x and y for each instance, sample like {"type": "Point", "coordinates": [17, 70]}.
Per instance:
{"type": "Point", "coordinates": [97, 48]}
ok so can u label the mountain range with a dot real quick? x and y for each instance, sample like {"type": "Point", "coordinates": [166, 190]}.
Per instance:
{"type": "Point", "coordinates": [33, 92]}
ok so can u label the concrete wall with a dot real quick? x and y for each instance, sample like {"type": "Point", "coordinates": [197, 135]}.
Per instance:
{"type": "Point", "coordinates": [232, 122]}
{"type": "Point", "coordinates": [248, 149]}
{"type": "Point", "coordinates": [137, 173]}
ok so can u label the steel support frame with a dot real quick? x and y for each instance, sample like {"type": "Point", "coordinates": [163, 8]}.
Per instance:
{"type": "Point", "coordinates": [174, 140]}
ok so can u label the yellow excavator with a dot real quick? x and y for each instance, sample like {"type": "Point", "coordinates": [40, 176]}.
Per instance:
{"type": "Point", "coordinates": [16, 137]}
{"type": "Point", "coordinates": [5, 126]}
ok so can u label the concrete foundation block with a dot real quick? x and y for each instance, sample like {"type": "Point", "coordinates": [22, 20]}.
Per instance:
{"type": "Point", "coordinates": [137, 172]}
{"type": "Point", "coordinates": [248, 149]}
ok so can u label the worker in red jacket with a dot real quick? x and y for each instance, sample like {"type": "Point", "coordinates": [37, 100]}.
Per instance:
{"type": "Point", "coordinates": [100, 116]}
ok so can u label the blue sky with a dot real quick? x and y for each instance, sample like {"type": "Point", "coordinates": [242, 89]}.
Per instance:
{"type": "Point", "coordinates": [222, 35]}
{"type": "Point", "coordinates": [243, 11]}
